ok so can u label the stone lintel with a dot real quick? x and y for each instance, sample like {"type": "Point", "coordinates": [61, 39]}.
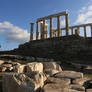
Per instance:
{"type": "Point", "coordinates": [51, 16]}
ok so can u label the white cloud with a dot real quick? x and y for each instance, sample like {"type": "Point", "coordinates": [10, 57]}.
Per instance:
{"type": "Point", "coordinates": [84, 15]}
{"type": "Point", "coordinates": [13, 33]}
{"type": "Point", "coordinates": [90, 7]}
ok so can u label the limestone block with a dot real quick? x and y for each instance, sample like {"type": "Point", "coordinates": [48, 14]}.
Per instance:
{"type": "Point", "coordinates": [51, 72]}
{"type": "Point", "coordinates": [19, 68]}
{"type": "Point", "coordinates": [3, 69]}
{"type": "Point", "coordinates": [7, 65]}
{"type": "Point", "coordinates": [89, 90]}
{"type": "Point", "coordinates": [1, 62]}
{"type": "Point", "coordinates": [17, 83]}
{"type": "Point", "coordinates": [77, 87]}
{"type": "Point", "coordinates": [80, 81]}
{"type": "Point", "coordinates": [55, 88]}
{"type": "Point", "coordinates": [58, 81]}
{"type": "Point", "coordinates": [37, 78]}
{"type": "Point", "coordinates": [30, 67]}
{"type": "Point", "coordinates": [51, 65]}
{"type": "Point", "coordinates": [69, 74]}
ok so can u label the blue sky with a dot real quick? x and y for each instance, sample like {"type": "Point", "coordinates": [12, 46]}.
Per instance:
{"type": "Point", "coordinates": [15, 16]}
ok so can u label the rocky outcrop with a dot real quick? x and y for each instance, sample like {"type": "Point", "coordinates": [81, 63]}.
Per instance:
{"type": "Point", "coordinates": [67, 48]}
{"type": "Point", "coordinates": [42, 77]}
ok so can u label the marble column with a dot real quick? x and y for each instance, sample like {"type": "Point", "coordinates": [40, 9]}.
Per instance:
{"type": "Point", "coordinates": [31, 31]}
{"type": "Point", "coordinates": [78, 31]}
{"type": "Point", "coordinates": [46, 31]}
{"type": "Point", "coordinates": [85, 35]}
{"type": "Point", "coordinates": [51, 27]}
{"type": "Point", "coordinates": [91, 30]}
{"type": "Point", "coordinates": [67, 24]}
{"type": "Point", "coordinates": [72, 31]}
{"type": "Point", "coordinates": [41, 28]}
{"type": "Point", "coordinates": [37, 31]}
{"type": "Point", "coordinates": [43, 36]}
{"type": "Point", "coordinates": [58, 25]}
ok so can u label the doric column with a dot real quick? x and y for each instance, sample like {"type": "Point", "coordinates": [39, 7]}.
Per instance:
{"type": "Point", "coordinates": [91, 30]}
{"type": "Point", "coordinates": [37, 31]}
{"type": "Point", "coordinates": [46, 30]}
{"type": "Point", "coordinates": [51, 27]}
{"type": "Point", "coordinates": [85, 35]}
{"type": "Point", "coordinates": [78, 30]}
{"type": "Point", "coordinates": [43, 28]}
{"type": "Point", "coordinates": [67, 25]}
{"type": "Point", "coordinates": [58, 25]}
{"type": "Point", "coordinates": [72, 31]}
{"type": "Point", "coordinates": [31, 31]}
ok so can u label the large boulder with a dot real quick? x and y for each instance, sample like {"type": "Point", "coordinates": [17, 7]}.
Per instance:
{"type": "Point", "coordinates": [15, 82]}
{"type": "Point", "coordinates": [52, 87]}
{"type": "Point", "coordinates": [89, 90]}
{"type": "Point", "coordinates": [51, 72]}
{"type": "Point", "coordinates": [80, 81]}
{"type": "Point", "coordinates": [62, 82]}
{"type": "Point", "coordinates": [6, 67]}
{"type": "Point", "coordinates": [19, 68]}
{"type": "Point", "coordinates": [1, 62]}
{"type": "Point", "coordinates": [52, 66]}
{"type": "Point", "coordinates": [38, 78]}
{"type": "Point", "coordinates": [2, 69]}
{"type": "Point", "coordinates": [77, 87]}
{"type": "Point", "coordinates": [35, 66]}
{"type": "Point", "coordinates": [69, 74]}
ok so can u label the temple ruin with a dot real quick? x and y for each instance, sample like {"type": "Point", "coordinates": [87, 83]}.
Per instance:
{"type": "Point", "coordinates": [42, 33]}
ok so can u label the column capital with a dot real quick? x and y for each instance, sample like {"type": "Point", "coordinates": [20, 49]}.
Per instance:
{"type": "Point", "coordinates": [31, 23]}
{"type": "Point", "coordinates": [31, 31]}
{"type": "Point", "coordinates": [37, 21]}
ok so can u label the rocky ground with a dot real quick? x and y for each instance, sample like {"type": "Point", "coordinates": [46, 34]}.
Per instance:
{"type": "Point", "coordinates": [29, 74]}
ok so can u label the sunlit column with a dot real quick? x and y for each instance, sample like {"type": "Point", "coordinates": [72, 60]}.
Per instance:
{"type": "Point", "coordinates": [67, 24]}
{"type": "Point", "coordinates": [91, 30]}
{"type": "Point", "coordinates": [51, 27]}
{"type": "Point", "coordinates": [72, 31]}
{"type": "Point", "coordinates": [43, 28]}
{"type": "Point", "coordinates": [46, 30]}
{"type": "Point", "coordinates": [37, 31]}
{"type": "Point", "coordinates": [78, 30]}
{"type": "Point", "coordinates": [85, 35]}
{"type": "Point", "coordinates": [58, 25]}
{"type": "Point", "coordinates": [31, 31]}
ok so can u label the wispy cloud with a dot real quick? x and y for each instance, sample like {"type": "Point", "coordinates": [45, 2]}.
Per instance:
{"type": "Point", "coordinates": [84, 15]}
{"type": "Point", "coordinates": [13, 33]}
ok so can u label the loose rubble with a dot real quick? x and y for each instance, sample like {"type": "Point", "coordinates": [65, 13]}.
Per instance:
{"type": "Point", "coordinates": [41, 77]}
